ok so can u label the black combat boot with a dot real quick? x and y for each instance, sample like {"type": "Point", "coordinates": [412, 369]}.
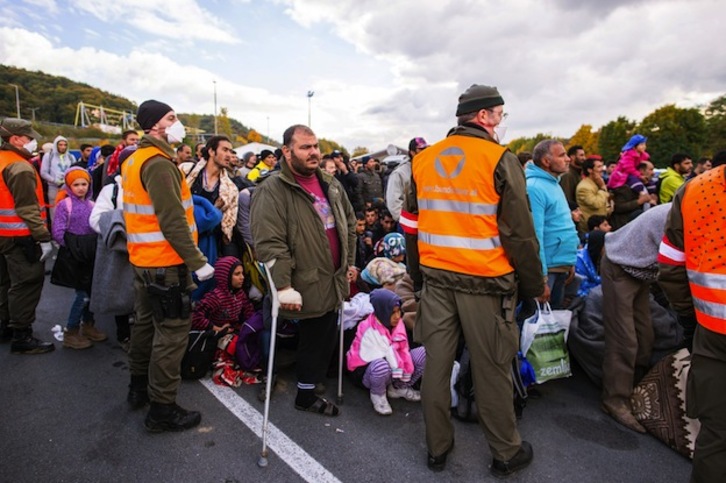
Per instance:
{"type": "Point", "coordinates": [138, 392]}
{"type": "Point", "coordinates": [24, 343]}
{"type": "Point", "coordinates": [170, 417]}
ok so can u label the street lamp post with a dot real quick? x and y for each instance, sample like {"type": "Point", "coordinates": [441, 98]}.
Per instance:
{"type": "Point", "coordinates": [310, 97]}
{"type": "Point", "coordinates": [215, 107]}
{"type": "Point", "coordinates": [32, 113]}
{"type": "Point", "coordinates": [17, 99]}
{"type": "Point", "coordinates": [268, 128]}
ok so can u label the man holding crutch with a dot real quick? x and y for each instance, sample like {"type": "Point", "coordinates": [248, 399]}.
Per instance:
{"type": "Point", "coordinates": [304, 229]}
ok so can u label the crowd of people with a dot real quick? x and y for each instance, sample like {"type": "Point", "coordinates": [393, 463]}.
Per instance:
{"type": "Point", "coordinates": [451, 248]}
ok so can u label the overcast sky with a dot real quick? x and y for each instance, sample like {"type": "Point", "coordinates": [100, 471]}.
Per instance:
{"type": "Point", "coordinates": [382, 71]}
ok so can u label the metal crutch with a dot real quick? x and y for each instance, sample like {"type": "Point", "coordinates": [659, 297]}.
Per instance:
{"type": "Point", "coordinates": [262, 460]}
{"type": "Point", "coordinates": [339, 399]}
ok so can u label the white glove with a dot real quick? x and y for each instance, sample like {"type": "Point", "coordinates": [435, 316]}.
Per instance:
{"type": "Point", "coordinates": [46, 249]}
{"type": "Point", "coordinates": [205, 273]}
{"type": "Point", "coordinates": [289, 296]}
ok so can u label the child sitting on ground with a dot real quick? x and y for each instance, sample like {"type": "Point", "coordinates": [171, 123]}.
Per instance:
{"type": "Point", "coordinates": [226, 309]}
{"type": "Point", "coordinates": [380, 359]}
{"type": "Point", "coordinates": [72, 231]}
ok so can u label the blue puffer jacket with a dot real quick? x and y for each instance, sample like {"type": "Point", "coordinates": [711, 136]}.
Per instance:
{"type": "Point", "coordinates": [553, 223]}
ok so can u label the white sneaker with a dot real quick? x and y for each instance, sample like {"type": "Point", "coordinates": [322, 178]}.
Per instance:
{"type": "Point", "coordinates": [380, 404]}
{"type": "Point", "coordinates": [406, 392]}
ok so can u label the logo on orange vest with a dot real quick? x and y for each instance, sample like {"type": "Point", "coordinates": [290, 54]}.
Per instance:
{"type": "Point", "coordinates": [448, 157]}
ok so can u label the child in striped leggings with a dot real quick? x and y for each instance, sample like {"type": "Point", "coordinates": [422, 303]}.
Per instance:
{"type": "Point", "coordinates": [380, 358]}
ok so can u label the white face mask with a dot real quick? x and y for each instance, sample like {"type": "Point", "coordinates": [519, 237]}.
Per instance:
{"type": "Point", "coordinates": [31, 146]}
{"type": "Point", "coordinates": [176, 132]}
{"type": "Point", "coordinates": [500, 132]}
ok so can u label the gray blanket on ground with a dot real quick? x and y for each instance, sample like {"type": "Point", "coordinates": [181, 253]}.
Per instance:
{"type": "Point", "coordinates": [113, 276]}
{"type": "Point", "coordinates": [587, 334]}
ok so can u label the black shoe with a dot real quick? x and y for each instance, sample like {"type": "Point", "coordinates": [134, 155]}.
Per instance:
{"type": "Point", "coordinates": [138, 396]}
{"type": "Point", "coordinates": [438, 463]}
{"type": "Point", "coordinates": [170, 417]}
{"type": "Point", "coordinates": [6, 333]}
{"type": "Point", "coordinates": [23, 342]}
{"type": "Point", "coordinates": [522, 459]}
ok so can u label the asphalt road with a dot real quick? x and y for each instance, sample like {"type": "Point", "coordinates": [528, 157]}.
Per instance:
{"type": "Point", "coordinates": [65, 419]}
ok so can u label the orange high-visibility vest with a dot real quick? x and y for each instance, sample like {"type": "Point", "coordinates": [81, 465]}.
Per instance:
{"type": "Point", "coordinates": [146, 243]}
{"type": "Point", "coordinates": [11, 224]}
{"type": "Point", "coordinates": [457, 203]}
{"type": "Point", "coordinates": [704, 240]}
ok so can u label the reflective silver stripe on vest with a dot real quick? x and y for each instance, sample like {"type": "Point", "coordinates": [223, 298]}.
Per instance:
{"type": "Point", "coordinates": [713, 309]}
{"type": "Point", "coordinates": [448, 241]}
{"type": "Point", "coordinates": [138, 209]}
{"type": "Point", "coordinates": [457, 207]}
{"type": "Point", "coordinates": [708, 280]}
{"type": "Point", "coordinates": [188, 203]}
{"type": "Point", "coordinates": [151, 237]}
{"type": "Point", "coordinates": [13, 226]}
{"type": "Point", "coordinates": [8, 212]}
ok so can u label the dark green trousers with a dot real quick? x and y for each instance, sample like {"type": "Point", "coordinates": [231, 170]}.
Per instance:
{"type": "Point", "coordinates": [157, 346]}
{"type": "Point", "coordinates": [443, 315]}
{"type": "Point", "coordinates": [706, 400]}
{"type": "Point", "coordinates": [21, 283]}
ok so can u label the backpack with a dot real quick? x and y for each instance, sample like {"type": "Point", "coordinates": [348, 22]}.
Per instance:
{"type": "Point", "coordinates": [465, 409]}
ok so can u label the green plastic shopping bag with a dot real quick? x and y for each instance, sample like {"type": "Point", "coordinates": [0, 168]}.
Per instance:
{"type": "Point", "coordinates": [544, 343]}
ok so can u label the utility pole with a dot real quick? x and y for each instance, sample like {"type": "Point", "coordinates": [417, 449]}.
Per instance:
{"type": "Point", "coordinates": [268, 129]}
{"type": "Point", "coordinates": [17, 99]}
{"type": "Point", "coordinates": [215, 107]}
{"type": "Point", "coordinates": [310, 97]}
{"type": "Point", "coordinates": [32, 111]}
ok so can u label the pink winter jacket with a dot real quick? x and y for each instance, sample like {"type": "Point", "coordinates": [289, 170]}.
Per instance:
{"type": "Point", "coordinates": [374, 341]}
{"type": "Point", "coordinates": [627, 166]}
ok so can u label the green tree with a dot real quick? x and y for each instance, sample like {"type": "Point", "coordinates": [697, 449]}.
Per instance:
{"type": "Point", "coordinates": [613, 136]}
{"type": "Point", "coordinates": [671, 130]}
{"type": "Point", "coordinates": [716, 126]}
{"type": "Point", "coordinates": [224, 124]}
{"type": "Point", "coordinates": [327, 146]}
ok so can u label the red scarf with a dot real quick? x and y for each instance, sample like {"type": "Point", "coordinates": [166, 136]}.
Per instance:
{"type": "Point", "coordinates": [112, 164]}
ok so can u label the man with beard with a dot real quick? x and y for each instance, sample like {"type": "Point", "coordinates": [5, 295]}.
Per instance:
{"type": "Point", "coordinates": [570, 179]}
{"type": "Point", "coordinates": [311, 267]}
{"type": "Point", "coordinates": [210, 179]}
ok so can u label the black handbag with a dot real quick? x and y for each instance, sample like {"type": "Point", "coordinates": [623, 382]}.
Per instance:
{"type": "Point", "coordinates": [65, 269]}
{"type": "Point", "coordinates": [199, 355]}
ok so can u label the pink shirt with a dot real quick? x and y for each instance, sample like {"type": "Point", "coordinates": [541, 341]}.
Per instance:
{"type": "Point", "coordinates": [312, 186]}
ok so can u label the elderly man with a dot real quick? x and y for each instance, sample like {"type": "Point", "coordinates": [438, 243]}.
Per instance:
{"type": "Point", "coordinates": [553, 223]}
{"type": "Point", "coordinates": [162, 246]}
{"type": "Point", "coordinates": [471, 245]}
{"type": "Point", "coordinates": [24, 238]}
{"type": "Point", "coordinates": [304, 229]}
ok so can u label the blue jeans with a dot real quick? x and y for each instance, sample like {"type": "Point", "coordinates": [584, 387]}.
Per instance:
{"type": "Point", "coordinates": [79, 310]}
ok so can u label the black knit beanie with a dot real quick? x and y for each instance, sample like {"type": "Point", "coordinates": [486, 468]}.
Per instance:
{"type": "Point", "coordinates": [150, 112]}
{"type": "Point", "coordinates": [478, 97]}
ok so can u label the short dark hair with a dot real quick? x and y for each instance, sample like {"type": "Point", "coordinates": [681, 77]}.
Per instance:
{"type": "Point", "coordinates": [643, 165]}
{"type": "Point", "coordinates": [678, 158]}
{"type": "Point", "coordinates": [213, 144]}
{"type": "Point", "coordinates": [360, 216]}
{"type": "Point", "coordinates": [595, 221]}
{"type": "Point", "coordinates": [385, 213]}
{"type": "Point", "coordinates": [703, 160]}
{"type": "Point", "coordinates": [588, 165]}
{"type": "Point", "coordinates": [718, 159]}
{"type": "Point", "coordinates": [371, 208]}
{"type": "Point", "coordinates": [84, 147]}
{"type": "Point", "coordinates": [524, 157]}
{"type": "Point", "coordinates": [574, 149]}
{"type": "Point", "coordinates": [107, 150]}
{"type": "Point", "coordinates": [181, 146]}
{"type": "Point", "coordinates": [128, 133]}
{"type": "Point", "coordinates": [290, 132]}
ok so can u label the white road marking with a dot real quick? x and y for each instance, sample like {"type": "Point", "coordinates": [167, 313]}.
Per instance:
{"type": "Point", "coordinates": [289, 452]}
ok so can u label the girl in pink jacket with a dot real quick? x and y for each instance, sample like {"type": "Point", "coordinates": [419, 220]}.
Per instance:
{"type": "Point", "coordinates": [380, 359]}
{"type": "Point", "coordinates": [632, 154]}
